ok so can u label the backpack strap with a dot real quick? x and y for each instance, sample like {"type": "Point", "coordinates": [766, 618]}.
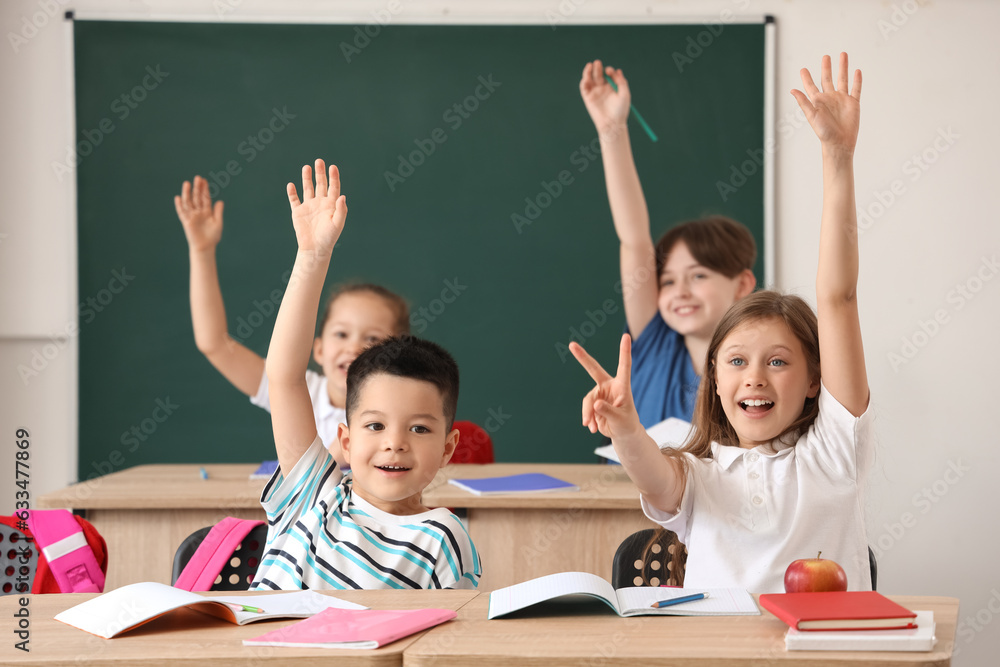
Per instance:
{"type": "Point", "coordinates": [213, 553]}
{"type": "Point", "coordinates": [69, 556]}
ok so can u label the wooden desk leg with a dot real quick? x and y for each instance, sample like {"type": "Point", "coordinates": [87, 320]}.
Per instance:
{"type": "Point", "coordinates": [520, 544]}
{"type": "Point", "coordinates": [142, 543]}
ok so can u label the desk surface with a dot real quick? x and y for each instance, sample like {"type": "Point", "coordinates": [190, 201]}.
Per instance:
{"type": "Point", "coordinates": [599, 637]}
{"type": "Point", "coordinates": [601, 487]}
{"type": "Point", "coordinates": [185, 637]}
{"type": "Point", "coordinates": [164, 486]}
{"type": "Point", "coordinates": [179, 486]}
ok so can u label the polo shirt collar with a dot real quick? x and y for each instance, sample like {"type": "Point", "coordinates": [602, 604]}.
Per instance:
{"type": "Point", "coordinates": [727, 456]}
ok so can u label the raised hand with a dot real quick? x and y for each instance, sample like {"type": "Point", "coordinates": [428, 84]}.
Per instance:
{"type": "Point", "coordinates": [835, 112]}
{"type": "Point", "coordinates": [202, 222]}
{"type": "Point", "coordinates": [605, 106]}
{"type": "Point", "coordinates": [320, 216]}
{"type": "Point", "coordinates": [609, 407]}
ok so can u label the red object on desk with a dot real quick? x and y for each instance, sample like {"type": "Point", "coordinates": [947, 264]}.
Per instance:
{"type": "Point", "coordinates": [838, 610]}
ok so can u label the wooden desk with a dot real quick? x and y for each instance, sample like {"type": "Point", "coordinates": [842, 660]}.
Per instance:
{"type": "Point", "coordinates": [186, 637]}
{"type": "Point", "coordinates": [523, 536]}
{"type": "Point", "coordinates": [601, 638]}
{"type": "Point", "coordinates": [145, 512]}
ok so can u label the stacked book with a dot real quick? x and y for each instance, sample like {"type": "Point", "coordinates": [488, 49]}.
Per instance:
{"type": "Point", "coordinates": [850, 621]}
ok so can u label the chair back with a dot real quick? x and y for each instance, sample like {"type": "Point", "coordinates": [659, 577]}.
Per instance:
{"type": "Point", "coordinates": [240, 566]}
{"type": "Point", "coordinates": [474, 444]}
{"type": "Point", "coordinates": [635, 566]}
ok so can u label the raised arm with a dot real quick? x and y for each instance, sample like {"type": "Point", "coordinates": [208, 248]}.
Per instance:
{"type": "Point", "coordinates": [834, 114]}
{"type": "Point", "coordinates": [609, 111]}
{"type": "Point", "coordinates": [318, 220]}
{"type": "Point", "coordinates": [202, 224]}
{"type": "Point", "coordinates": [609, 408]}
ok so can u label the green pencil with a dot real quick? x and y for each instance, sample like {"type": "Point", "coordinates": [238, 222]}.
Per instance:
{"type": "Point", "coordinates": [635, 112]}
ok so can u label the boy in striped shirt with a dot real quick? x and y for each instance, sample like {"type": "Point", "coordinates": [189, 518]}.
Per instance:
{"type": "Point", "coordinates": [367, 529]}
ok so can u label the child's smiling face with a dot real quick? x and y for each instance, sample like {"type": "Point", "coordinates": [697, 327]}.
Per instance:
{"type": "Point", "coordinates": [357, 320]}
{"type": "Point", "coordinates": [692, 299]}
{"type": "Point", "coordinates": [763, 380]}
{"type": "Point", "coordinates": [397, 441]}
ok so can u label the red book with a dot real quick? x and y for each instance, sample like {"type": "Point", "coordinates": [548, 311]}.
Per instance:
{"type": "Point", "coordinates": [838, 610]}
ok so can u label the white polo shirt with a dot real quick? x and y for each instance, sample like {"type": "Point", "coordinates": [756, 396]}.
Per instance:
{"type": "Point", "coordinates": [328, 417]}
{"type": "Point", "coordinates": [747, 514]}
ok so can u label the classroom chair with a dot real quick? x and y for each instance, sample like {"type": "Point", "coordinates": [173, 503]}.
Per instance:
{"type": "Point", "coordinates": [52, 551]}
{"type": "Point", "coordinates": [474, 444]}
{"type": "Point", "coordinates": [634, 566]}
{"type": "Point", "coordinates": [240, 567]}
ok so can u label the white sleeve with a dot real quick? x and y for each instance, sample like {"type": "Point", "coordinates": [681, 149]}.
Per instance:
{"type": "Point", "coordinates": [262, 399]}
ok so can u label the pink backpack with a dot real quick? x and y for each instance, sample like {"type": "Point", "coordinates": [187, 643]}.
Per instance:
{"type": "Point", "coordinates": [214, 552]}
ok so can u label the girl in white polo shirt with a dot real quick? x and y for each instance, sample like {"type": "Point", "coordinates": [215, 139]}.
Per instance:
{"type": "Point", "coordinates": [778, 463]}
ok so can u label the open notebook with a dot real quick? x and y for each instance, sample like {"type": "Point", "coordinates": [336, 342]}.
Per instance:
{"type": "Point", "coordinates": [130, 606]}
{"type": "Point", "coordinates": [634, 601]}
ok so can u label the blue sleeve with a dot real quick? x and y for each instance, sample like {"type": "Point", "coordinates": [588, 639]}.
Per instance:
{"type": "Point", "coordinates": [664, 383]}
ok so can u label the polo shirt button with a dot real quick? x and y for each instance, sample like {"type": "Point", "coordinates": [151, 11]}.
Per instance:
{"type": "Point", "coordinates": [753, 475]}
{"type": "Point", "coordinates": [752, 457]}
{"type": "Point", "coordinates": [757, 500]}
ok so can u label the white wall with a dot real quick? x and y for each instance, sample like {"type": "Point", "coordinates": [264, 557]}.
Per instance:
{"type": "Point", "coordinates": [930, 71]}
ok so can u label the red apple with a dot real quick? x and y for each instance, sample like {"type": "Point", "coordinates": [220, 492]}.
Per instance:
{"type": "Point", "coordinates": [810, 575]}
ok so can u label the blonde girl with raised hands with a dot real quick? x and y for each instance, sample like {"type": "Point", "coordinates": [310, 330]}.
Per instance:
{"type": "Point", "coordinates": [778, 465]}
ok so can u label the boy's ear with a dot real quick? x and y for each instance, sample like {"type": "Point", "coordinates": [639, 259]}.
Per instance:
{"type": "Point", "coordinates": [318, 349]}
{"type": "Point", "coordinates": [344, 437]}
{"type": "Point", "coordinates": [747, 283]}
{"type": "Point", "coordinates": [449, 446]}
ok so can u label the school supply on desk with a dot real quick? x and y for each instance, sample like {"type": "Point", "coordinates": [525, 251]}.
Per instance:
{"type": "Point", "coordinates": [265, 470]}
{"type": "Point", "coordinates": [353, 629]}
{"type": "Point", "coordinates": [920, 638]}
{"type": "Point", "coordinates": [633, 601]}
{"type": "Point", "coordinates": [670, 602]}
{"type": "Point", "coordinates": [127, 607]}
{"type": "Point", "coordinates": [838, 610]}
{"type": "Point", "coordinates": [671, 432]}
{"type": "Point", "coordinates": [524, 483]}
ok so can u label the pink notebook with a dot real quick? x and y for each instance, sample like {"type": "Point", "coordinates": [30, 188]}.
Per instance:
{"type": "Point", "coordinates": [353, 628]}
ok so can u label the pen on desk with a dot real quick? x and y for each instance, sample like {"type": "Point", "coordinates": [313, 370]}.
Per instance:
{"type": "Point", "coordinates": [673, 601]}
{"type": "Point", "coordinates": [244, 607]}
{"type": "Point", "coordinates": [635, 112]}
{"type": "Point", "coordinates": [203, 472]}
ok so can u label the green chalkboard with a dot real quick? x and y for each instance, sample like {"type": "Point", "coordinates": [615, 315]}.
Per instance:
{"type": "Point", "coordinates": [465, 152]}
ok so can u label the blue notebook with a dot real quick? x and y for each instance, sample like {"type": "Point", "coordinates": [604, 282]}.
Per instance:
{"type": "Point", "coordinates": [265, 470]}
{"type": "Point", "coordinates": [524, 483]}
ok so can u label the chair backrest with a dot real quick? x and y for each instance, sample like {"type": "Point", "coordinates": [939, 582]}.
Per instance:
{"type": "Point", "coordinates": [633, 566]}
{"type": "Point", "coordinates": [474, 444]}
{"type": "Point", "coordinates": [238, 572]}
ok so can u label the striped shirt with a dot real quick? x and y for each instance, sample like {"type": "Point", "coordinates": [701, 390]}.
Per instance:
{"type": "Point", "coordinates": [322, 536]}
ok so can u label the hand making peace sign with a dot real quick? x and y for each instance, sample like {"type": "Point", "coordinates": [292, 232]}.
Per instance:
{"type": "Point", "coordinates": [609, 407]}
